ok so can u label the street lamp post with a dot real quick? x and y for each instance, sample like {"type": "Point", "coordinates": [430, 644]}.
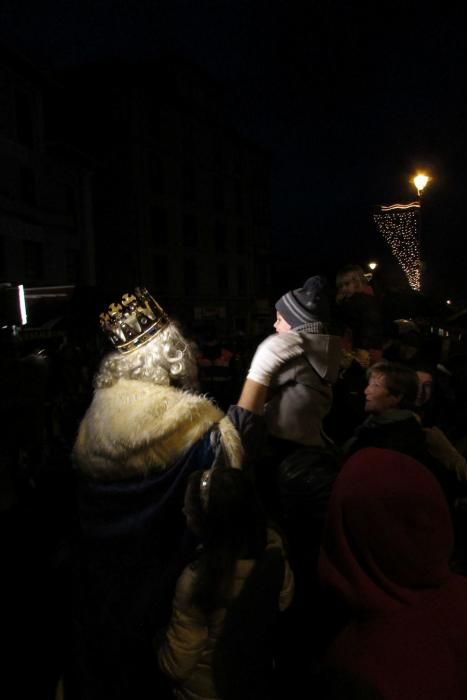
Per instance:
{"type": "Point", "coordinates": [420, 181]}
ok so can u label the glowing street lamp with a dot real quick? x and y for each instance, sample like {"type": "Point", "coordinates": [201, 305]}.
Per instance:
{"type": "Point", "coordinates": [372, 266]}
{"type": "Point", "coordinates": [420, 181]}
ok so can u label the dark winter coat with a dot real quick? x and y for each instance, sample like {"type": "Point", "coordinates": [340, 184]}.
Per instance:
{"type": "Point", "coordinates": [385, 555]}
{"type": "Point", "coordinates": [400, 430]}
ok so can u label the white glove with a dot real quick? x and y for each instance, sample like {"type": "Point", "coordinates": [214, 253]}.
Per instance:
{"type": "Point", "coordinates": [272, 353]}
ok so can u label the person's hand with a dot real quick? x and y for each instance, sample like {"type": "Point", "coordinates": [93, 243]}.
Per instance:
{"type": "Point", "coordinates": [272, 353]}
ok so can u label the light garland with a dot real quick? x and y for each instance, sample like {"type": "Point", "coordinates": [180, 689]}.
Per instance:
{"type": "Point", "coordinates": [398, 224]}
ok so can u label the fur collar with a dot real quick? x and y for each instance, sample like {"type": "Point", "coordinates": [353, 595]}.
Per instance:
{"type": "Point", "coordinates": [134, 427]}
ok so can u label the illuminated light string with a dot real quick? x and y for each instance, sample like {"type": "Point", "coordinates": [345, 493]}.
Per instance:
{"type": "Point", "coordinates": [398, 225]}
{"type": "Point", "coordinates": [400, 207]}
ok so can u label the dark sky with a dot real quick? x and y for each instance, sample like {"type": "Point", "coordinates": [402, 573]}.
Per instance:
{"type": "Point", "coordinates": [350, 101]}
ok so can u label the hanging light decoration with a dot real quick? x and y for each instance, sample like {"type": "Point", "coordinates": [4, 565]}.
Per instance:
{"type": "Point", "coordinates": [399, 226]}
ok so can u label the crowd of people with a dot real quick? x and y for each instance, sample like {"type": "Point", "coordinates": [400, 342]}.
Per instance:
{"type": "Point", "coordinates": [307, 533]}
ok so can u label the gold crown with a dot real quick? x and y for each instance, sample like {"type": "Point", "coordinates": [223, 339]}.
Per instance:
{"type": "Point", "coordinates": [133, 321]}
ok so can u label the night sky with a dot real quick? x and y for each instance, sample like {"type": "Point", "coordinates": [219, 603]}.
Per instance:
{"type": "Point", "coordinates": [349, 102]}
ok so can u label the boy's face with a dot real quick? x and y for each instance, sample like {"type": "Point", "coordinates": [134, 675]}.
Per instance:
{"type": "Point", "coordinates": [348, 285]}
{"type": "Point", "coordinates": [281, 324]}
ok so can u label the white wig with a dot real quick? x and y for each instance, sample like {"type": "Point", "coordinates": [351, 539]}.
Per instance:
{"type": "Point", "coordinates": [166, 359]}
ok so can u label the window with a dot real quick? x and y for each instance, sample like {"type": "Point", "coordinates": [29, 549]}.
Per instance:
{"type": "Point", "coordinates": [189, 183]}
{"type": "Point", "coordinates": [260, 205]}
{"type": "Point", "coordinates": [5, 105]}
{"type": "Point", "coordinates": [218, 194]}
{"type": "Point", "coordinates": [219, 236]}
{"type": "Point", "coordinates": [33, 260]}
{"type": "Point", "coordinates": [159, 228]}
{"type": "Point", "coordinates": [156, 174]}
{"type": "Point", "coordinates": [240, 325]}
{"type": "Point", "coordinates": [241, 240]}
{"type": "Point", "coordinates": [190, 277]}
{"type": "Point", "coordinates": [262, 277]}
{"type": "Point", "coordinates": [237, 161]}
{"type": "Point", "coordinates": [2, 257]}
{"type": "Point", "coordinates": [24, 123]}
{"type": "Point", "coordinates": [187, 136]}
{"type": "Point", "coordinates": [161, 274]}
{"type": "Point", "coordinates": [72, 264]}
{"type": "Point", "coordinates": [218, 151]}
{"type": "Point", "coordinates": [190, 233]}
{"type": "Point", "coordinates": [70, 199]}
{"type": "Point", "coordinates": [242, 281]}
{"type": "Point", "coordinates": [27, 186]}
{"type": "Point", "coordinates": [238, 192]}
{"type": "Point", "coordinates": [223, 278]}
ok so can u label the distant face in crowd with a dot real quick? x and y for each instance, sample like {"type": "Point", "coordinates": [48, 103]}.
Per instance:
{"type": "Point", "coordinates": [425, 387]}
{"type": "Point", "coordinates": [281, 324]}
{"type": "Point", "coordinates": [349, 285]}
{"type": "Point", "coordinates": [378, 398]}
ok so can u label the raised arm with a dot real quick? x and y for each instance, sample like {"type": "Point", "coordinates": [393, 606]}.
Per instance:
{"type": "Point", "coordinates": [270, 355]}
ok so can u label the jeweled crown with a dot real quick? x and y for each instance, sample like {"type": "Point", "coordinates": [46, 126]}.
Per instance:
{"type": "Point", "coordinates": [133, 321]}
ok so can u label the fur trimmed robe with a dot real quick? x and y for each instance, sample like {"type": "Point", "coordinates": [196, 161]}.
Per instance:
{"type": "Point", "coordinates": [136, 447]}
{"type": "Point", "coordinates": [133, 428]}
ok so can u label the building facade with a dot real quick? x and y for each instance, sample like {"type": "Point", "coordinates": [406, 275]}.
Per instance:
{"type": "Point", "coordinates": [46, 234]}
{"type": "Point", "coordinates": [182, 202]}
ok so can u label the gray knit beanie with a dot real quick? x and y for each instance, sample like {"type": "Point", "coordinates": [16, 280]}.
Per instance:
{"type": "Point", "coordinates": [307, 304]}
